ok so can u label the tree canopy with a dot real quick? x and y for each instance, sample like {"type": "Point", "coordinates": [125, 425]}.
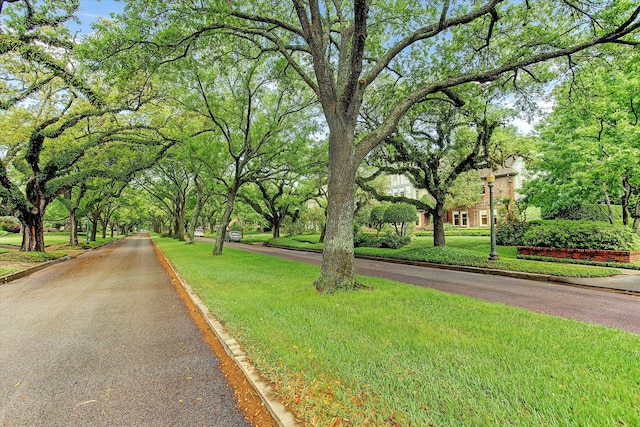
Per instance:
{"type": "Point", "coordinates": [590, 143]}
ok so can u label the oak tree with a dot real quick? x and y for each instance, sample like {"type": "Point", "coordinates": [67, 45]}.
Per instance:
{"type": "Point", "coordinates": [413, 50]}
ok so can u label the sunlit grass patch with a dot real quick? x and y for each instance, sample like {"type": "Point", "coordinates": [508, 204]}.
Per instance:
{"type": "Point", "coordinates": [32, 257]}
{"type": "Point", "coordinates": [7, 270]}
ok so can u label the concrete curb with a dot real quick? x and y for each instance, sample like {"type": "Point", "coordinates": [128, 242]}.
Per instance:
{"type": "Point", "coordinates": [282, 416]}
{"type": "Point", "coordinates": [27, 271]}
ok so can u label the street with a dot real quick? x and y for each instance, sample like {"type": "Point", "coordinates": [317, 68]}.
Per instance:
{"type": "Point", "coordinates": [105, 340]}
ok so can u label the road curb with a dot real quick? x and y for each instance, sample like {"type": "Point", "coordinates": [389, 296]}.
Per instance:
{"type": "Point", "coordinates": [27, 271]}
{"type": "Point", "coordinates": [282, 416]}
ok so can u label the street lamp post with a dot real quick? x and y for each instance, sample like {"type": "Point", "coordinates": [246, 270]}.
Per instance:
{"type": "Point", "coordinates": [493, 255]}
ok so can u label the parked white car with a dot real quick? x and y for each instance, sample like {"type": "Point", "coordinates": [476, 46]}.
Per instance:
{"type": "Point", "coordinates": [232, 236]}
{"type": "Point", "coordinates": [199, 232]}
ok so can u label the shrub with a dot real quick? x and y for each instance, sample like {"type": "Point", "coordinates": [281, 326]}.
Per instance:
{"type": "Point", "coordinates": [581, 235]}
{"type": "Point", "coordinates": [389, 240]}
{"type": "Point", "coordinates": [291, 228]}
{"type": "Point", "coordinates": [589, 212]}
{"type": "Point", "coordinates": [376, 217]}
{"type": "Point", "coordinates": [399, 214]}
{"type": "Point", "coordinates": [511, 231]}
{"type": "Point", "coordinates": [8, 222]}
{"type": "Point", "coordinates": [393, 241]}
{"type": "Point", "coordinates": [363, 239]}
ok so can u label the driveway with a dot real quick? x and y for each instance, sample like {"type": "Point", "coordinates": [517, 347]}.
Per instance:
{"type": "Point", "coordinates": [588, 305]}
{"type": "Point", "coordinates": [104, 340]}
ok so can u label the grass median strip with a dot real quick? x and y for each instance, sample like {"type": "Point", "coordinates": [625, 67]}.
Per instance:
{"type": "Point", "coordinates": [412, 356]}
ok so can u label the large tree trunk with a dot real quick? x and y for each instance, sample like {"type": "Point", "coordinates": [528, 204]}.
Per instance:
{"type": "Point", "coordinates": [179, 220]}
{"type": "Point", "coordinates": [438, 224]}
{"type": "Point", "coordinates": [275, 229]}
{"type": "Point", "coordinates": [177, 228]}
{"type": "Point", "coordinates": [190, 239]}
{"type": "Point", "coordinates": [73, 227]}
{"type": "Point", "coordinates": [224, 223]}
{"type": "Point", "coordinates": [31, 219]}
{"type": "Point", "coordinates": [32, 232]}
{"type": "Point", "coordinates": [337, 272]}
{"type": "Point", "coordinates": [94, 226]}
{"type": "Point", "coordinates": [276, 223]}
{"type": "Point", "coordinates": [104, 222]}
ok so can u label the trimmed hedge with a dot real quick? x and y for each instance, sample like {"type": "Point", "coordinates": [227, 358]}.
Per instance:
{"type": "Point", "coordinates": [581, 235]}
{"type": "Point", "coordinates": [511, 231]}
{"type": "Point", "coordinates": [457, 232]}
{"type": "Point", "coordinates": [388, 240]}
{"type": "Point", "coordinates": [588, 212]}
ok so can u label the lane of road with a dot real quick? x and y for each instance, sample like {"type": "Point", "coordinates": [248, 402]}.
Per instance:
{"type": "Point", "coordinates": [105, 340]}
{"type": "Point", "coordinates": [588, 305]}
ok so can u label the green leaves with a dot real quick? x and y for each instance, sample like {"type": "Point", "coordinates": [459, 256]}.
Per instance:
{"type": "Point", "coordinates": [590, 142]}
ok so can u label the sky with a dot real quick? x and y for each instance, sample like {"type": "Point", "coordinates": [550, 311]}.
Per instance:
{"type": "Point", "coordinates": [91, 10]}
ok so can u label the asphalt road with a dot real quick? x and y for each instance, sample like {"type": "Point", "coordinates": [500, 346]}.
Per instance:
{"type": "Point", "coordinates": [588, 305]}
{"type": "Point", "coordinates": [104, 340]}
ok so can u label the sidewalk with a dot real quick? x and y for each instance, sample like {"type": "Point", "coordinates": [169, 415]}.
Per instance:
{"type": "Point", "coordinates": [629, 282]}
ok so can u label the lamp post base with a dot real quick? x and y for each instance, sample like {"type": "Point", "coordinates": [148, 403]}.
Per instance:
{"type": "Point", "coordinates": [493, 257]}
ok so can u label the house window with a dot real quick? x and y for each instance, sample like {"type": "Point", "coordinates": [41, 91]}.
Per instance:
{"type": "Point", "coordinates": [484, 217]}
{"type": "Point", "coordinates": [461, 219]}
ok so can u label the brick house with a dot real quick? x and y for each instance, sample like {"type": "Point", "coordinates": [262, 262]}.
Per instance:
{"type": "Point", "coordinates": [505, 188]}
{"type": "Point", "coordinates": [509, 179]}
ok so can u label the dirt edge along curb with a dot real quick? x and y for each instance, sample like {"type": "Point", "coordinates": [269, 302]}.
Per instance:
{"type": "Point", "coordinates": [280, 414]}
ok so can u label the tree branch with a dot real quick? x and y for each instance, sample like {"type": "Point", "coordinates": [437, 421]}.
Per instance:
{"type": "Point", "coordinates": [389, 124]}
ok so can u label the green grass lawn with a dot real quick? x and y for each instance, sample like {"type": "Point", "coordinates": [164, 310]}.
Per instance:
{"type": "Point", "coordinates": [413, 356]}
{"type": "Point", "coordinates": [55, 239]}
{"type": "Point", "coordinates": [470, 251]}
{"type": "Point", "coordinates": [56, 247]}
{"type": "Point", "coordinates": [7, 270]}
{"type": "Point", "coordinates": [256, 237]}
